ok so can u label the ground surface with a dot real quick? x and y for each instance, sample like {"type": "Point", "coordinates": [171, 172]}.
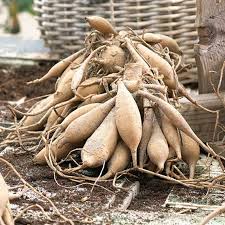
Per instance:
{"type": "Point", "coordinates": [153, 194]}
{"type": "Point", "coordinates": [13, 82]}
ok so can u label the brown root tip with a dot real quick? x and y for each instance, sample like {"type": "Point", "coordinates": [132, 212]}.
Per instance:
{"type": "Point", "coordinates": [33, 82]}
{"type": "Point", "coordinates": [141, 165]}
{"type": "Point", "coordinates": [108, 175]}
{"type": "Point", "coordinates": [168, 168]}
{"type": "Point", "coordinates": [39, 158]}
{"type": "Point", "coordinates": [160, 167]}
{"type": "Point", "coordinates": [134, 159]}
{"type": "Point", "coordinates": [178, 154]}
{"type": "Point", "coordinates": [38, 161]}
{"type": "Point", "coordinates": [159, 170]}
{"type": "Point", "coordinates": [179, 157]}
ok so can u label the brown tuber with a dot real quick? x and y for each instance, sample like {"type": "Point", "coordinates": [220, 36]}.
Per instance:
{"type": "Point", "coordinates": [128, 120]}
{"type": "Point", "coordinates": [100, 24]}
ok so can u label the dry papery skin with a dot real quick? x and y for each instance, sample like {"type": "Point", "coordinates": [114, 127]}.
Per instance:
{"type": "Point", "coordinates": [156, 61]}
{"type": "Point", "coordinates": [54, 115]}
{"type": "Point", "coordinates": [100, 146]}
{"type": "Point", "coordinates": [146, 134]}
{"type": "Point", "coordinates": [170, 43]}
{"type": "Point", "coordinates": [79, 73]}
{"type": "Point", "coordinates": [171, 134]}
{"type": "Point", "coordinates": [190, 152]}
{"type": "Point", "coordinates": [112, 57]}
{"type": "Point", "coordinates": [151, 38]}
{"type": "Point", "coordinates": [58, 68]}
{"type": "Point", "coordinates": [136, 56]}
{"type": "Point", "coordinates": [158, 150]}
{"type": "Point", "coordinates": [77, 113]}
{"type": "Point", "coordinates": [163, 40]}
{"type": "Point", "coordinates": [30, 120]}
{"type": "Point", "coordinates": [78, 130]}
{"type": "Point", "coordinates": [71, 117]}
{"type": "Point", "coordinates": [177, 119]}
{"type": "Point", "coordinates": [62, 93]}
{"type": "Point", "coordinates": [127, 110]}
{"type": "Point", "coordinates": [119, 161]}
{"type": "Point", "coordinates": [90, 87]}
{"type": "Point", "coordinates": [101, 25]}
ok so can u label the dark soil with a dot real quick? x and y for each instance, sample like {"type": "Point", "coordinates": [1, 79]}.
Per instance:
{"type": "Point", "coordinates": [152, 195]}
{"type": "Point", "coordinates": [13, 82]}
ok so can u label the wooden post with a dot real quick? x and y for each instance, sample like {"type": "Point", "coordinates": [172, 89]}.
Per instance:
{"type": "Point", "coordinates": [210, 51]}
{"type": "Point", "coordinates": [201, 121]}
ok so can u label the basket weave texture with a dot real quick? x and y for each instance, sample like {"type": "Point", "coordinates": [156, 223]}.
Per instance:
{"type": "Point", "coordinates": [63, 26]}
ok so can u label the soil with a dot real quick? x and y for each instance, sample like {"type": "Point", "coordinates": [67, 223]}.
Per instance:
{"type": "Point", "coordinates": [13, 81]}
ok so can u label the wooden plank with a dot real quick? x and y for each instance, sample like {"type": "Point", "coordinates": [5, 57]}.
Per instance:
{"type": "Point", "coordinates": [218, 147]}
{"type": "Point", "coordinates": [203, 122]}
{"type": "Point", "coordinates": [210, 51]}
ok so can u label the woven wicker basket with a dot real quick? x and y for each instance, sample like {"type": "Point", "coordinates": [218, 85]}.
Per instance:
{"type": "Point", "coordinates": [63, 26]}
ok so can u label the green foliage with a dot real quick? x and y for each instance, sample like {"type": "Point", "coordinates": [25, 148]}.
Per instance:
{"type": "Point", "coordinates": [25, 5]}
{"type": "Point", "coordinates": [22, 5]}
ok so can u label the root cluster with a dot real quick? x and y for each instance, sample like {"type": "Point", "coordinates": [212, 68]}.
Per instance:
{"type": "Point", "coordinates": [115, 106]}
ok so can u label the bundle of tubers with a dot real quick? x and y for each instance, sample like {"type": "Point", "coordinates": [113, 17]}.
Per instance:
{"type": "Point", "coordinates": [111, 97]}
